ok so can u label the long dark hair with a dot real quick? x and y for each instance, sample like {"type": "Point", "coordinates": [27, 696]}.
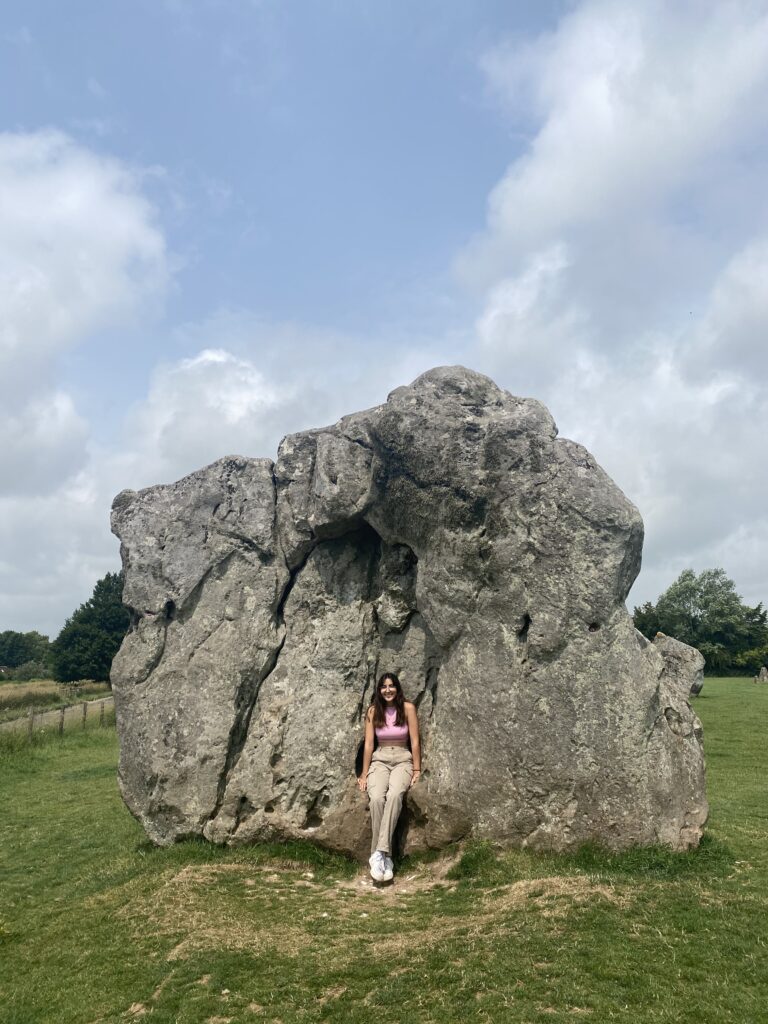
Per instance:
{"type": "Point", "coordinates": [379, 704]}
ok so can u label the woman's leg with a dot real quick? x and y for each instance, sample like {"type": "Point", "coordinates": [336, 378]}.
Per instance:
{"type": "Point", "coordinates": [378, 782]}
{"type": "Point", "coordinates": [399, 781]}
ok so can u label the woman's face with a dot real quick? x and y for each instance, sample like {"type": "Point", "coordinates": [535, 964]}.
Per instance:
{"type": "Point", "coordinates": [388, 691]}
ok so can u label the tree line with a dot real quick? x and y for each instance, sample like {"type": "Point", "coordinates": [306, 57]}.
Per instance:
{"type": "Point", "coordinates": [706, 612]}
{"type": "Point", "coordinates": [84, 648]}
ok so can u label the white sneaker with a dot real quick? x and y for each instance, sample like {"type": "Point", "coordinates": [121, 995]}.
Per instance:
{"type": "Point", "coordinates": [389, 868]}
{"type": "Point", "coordinates": [376, 860]}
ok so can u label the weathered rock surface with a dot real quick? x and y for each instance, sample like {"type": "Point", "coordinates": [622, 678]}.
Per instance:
{"type": "Point", "coordinates": [447, 535]}
{"type": "Point", "coordinates": [683, 663]}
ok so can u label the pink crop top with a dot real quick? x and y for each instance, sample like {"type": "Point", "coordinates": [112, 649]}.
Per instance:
{"type": "Point", "coordinates": [390, 732]}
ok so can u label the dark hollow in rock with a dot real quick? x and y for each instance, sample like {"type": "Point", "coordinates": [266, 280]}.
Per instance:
{"type": "Point", "coordinates": [448, 535]}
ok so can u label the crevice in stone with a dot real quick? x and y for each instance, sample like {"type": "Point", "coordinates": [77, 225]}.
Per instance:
{"type": "Point", "coordinates": [246, 701]}
{"type": "Point", "coordinates": [654, 711]}
{"type": "Point", "coordinates": [370, 680]}
{"type": "Point", "coordinates": [294, 575]}
{"type": "Point", "coordinates": [249, 692]}
{"type": "Point", "coordinates": [675, 721]}
{"type": "Point", "coordinates": [373, 568]}
{"type": "Point", "coordinates": [185, 608]}
{"type": "Point", "coordinates": [357, 441]}
{"type": "Point", "coordinates": [277, 753]}
{"type": "Point", "coordinates": [406, 624]}
{"type": "Point", "coordinates": [275, 531]}
{"type": "Point", "coordinates": [522, 635]}
{"type": "Point", "coordinates": [430, 686]}
{"type": "Point", "coordinates": [265, 557]}
{"type": "Point", "coordinates": [156, 660]}
{"type": "Point", "coordinates": [314, 816]}
{"type": "Point", "coordinates": [244, 811]}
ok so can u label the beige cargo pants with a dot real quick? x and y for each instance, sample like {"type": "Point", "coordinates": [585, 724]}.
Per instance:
{"type": "Point", "coordinates": [389, 777]}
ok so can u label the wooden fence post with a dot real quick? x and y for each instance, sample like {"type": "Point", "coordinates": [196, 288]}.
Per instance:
{"type": "Point", "coordinates": [85, 711]}
{"type": "Point", "coordinates": [101, 716]}
{"type": "Point", "coordinates": [31, 719]}
{"type": "Point", "coordinates": [61, 721]}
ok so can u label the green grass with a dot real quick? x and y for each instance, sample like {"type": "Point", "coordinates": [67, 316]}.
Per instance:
{"type": "Point", "coordinates": [96, 925]}
{"type": "Point", "coordinates": [16, 698]}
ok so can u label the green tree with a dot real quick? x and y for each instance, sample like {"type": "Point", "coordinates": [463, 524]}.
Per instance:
{"type": "Point", "coordinates": [18, 648]}
{"type": "Point", "coordinates": [706, 612]}
{"type": "Point", "coordinates": [647, 620]}
{"type": "Point", "coordinates": [91, 636]}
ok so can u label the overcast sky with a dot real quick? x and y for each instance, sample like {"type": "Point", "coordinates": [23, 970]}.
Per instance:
{"type": "Point", "coordinates": [222, 221]}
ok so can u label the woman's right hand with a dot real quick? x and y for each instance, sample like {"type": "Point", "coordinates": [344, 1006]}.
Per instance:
{"type": "Point", "coordinates": [362, 783]}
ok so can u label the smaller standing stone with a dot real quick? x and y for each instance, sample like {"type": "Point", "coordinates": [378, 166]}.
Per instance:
{"type": "Point", "coordinates": [684, 664]}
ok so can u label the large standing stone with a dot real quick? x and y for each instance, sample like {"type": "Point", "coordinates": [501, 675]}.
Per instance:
{"type": "Point", "coordinates": [447, 535]}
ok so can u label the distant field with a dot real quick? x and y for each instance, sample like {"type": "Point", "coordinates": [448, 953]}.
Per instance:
{"type": "Point", "coordinates": [98, 926]}
{"type": "Point", "coordinates": [17, 698]}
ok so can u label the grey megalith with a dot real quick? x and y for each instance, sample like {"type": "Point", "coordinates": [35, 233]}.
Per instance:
{"type": "Point", "coordinates": [448, 535]}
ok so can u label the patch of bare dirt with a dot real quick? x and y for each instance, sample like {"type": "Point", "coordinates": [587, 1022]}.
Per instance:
{"type": "Point", "coordinates": [199, 908]}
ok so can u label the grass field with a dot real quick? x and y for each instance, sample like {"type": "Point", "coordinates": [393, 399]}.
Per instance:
{"type": "Point", "coordinates": [98, 926]}
{"type": "Point", "coordinates": [44, 695]}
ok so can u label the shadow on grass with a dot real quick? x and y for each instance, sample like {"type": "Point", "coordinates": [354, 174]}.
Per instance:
{"type": "Point", "coordinates": [712, 858]}
{"type": "Point", "coordinates": [483, 864]}
{"type": "Point", "coordinates": [289, 854]}
{"type": "Point", "coordinates": [480, 863]}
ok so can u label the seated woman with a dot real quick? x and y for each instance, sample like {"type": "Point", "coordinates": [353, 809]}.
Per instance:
{"type": "Point", "coordinates": [390, 769]}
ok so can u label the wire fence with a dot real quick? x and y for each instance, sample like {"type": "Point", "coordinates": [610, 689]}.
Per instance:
{"type": "Point", "coordinates": [88, 714]}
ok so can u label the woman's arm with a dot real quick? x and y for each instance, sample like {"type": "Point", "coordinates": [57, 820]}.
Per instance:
{"type": "Point", "coordinates": [367, 750]}
{"type": "Point", "coordinates": [413, 731]}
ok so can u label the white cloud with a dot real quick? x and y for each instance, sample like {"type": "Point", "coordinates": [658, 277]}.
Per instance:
{"type": "Point", "coordinates": [201, 408]}
{"type": "Point", "coordinates": [624, 264]}
{"type": "Point", "coordinates": [80, 251]}
{"type": "Point", "coordinates": [41, 445]}
{"type": "Point", "coordinates": [249, 384]}
{"type": "Point", "coordinates": [534, 312]}
{"type": "Point", "coordinates": [732, 336]}
{"type": "Point", "coordinates": [79, 247]}
{"type": "Point", "coordinates": [54, 549]}
{"type": "Point", "coordinates": [637, 103]}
